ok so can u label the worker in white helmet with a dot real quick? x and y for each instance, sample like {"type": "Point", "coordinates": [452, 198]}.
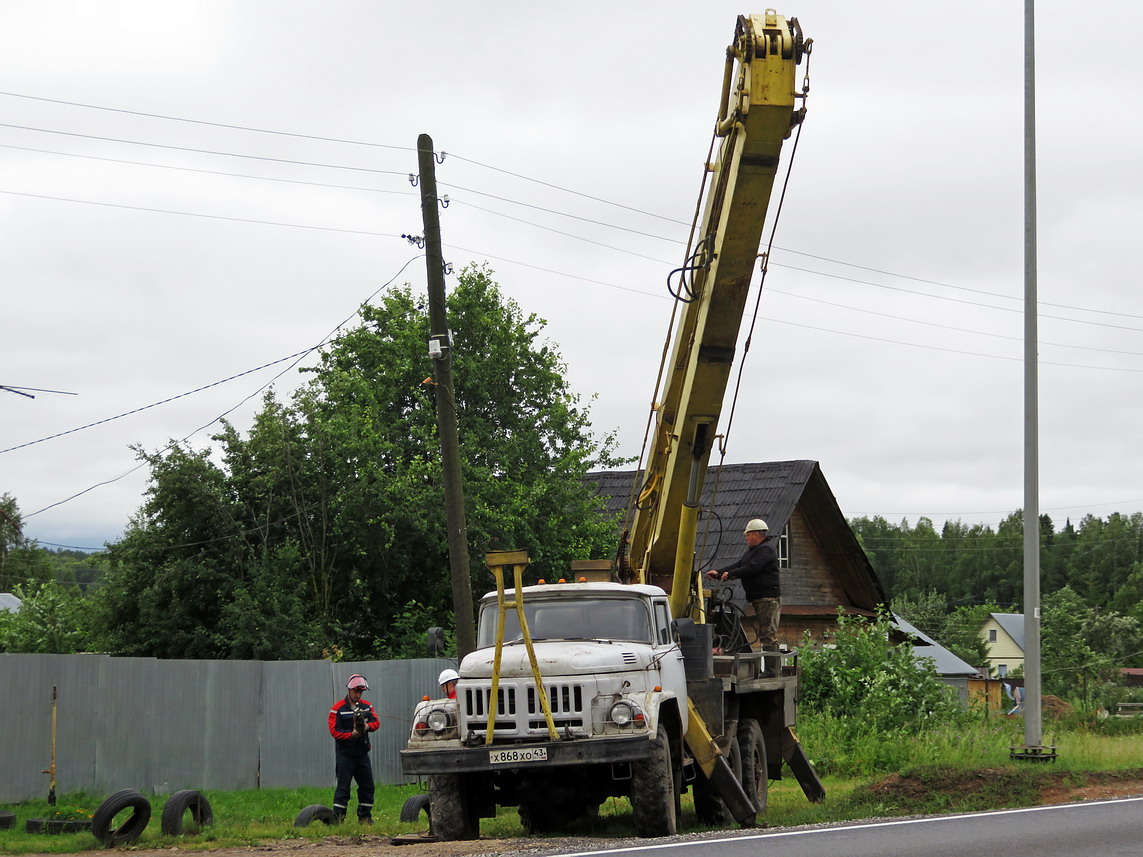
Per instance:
{"type": "Point", "coordinates": [758, 570]}
{"type": "Point", "coordinates": [447, 680]}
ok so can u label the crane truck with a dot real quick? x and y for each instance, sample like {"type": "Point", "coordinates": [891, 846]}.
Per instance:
{"type": "Point", "coordinates": [606, 683]}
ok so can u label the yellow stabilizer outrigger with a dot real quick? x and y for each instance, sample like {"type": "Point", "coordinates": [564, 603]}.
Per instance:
{"type": "Point", "coordinates": [497, 560]}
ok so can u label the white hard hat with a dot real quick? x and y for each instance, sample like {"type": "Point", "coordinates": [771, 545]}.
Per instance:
{"type": "Point", "coordinates": [448, 675]}
{"type": "Point", "coordinates": [356, 681]}
{"type": "Point", "coordinates": [756, 525]}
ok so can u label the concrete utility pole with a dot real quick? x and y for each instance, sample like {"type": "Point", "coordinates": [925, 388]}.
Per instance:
{"type": "Point", "coordinates": [440, 349]}
{"type": "Point", "coordinates": [1032, 711]}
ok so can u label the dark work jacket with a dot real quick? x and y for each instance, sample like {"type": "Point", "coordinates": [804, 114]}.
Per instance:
{"type": "Point", "coordinates": [758, 571]}
{"type": "Point", "coordinates": [341, 727]}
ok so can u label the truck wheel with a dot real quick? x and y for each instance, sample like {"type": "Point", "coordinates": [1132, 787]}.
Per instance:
{"type": "Point", "coordinates": [709, 807]}
{"type": "Point", "coordinates": [450, 815]}
{"type": "Point", "coordinates": [653, 791]}
{"type": "Point", "coordinates": [755, 777]}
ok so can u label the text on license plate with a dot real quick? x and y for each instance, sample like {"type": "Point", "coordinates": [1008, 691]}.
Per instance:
{"type": "Point", "coordinates": [517, 755]}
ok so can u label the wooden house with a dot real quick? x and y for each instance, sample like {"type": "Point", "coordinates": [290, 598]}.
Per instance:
{"type": "Point", "coordinates": [824, 568]}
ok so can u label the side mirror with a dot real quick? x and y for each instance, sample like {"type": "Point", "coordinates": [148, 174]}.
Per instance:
{"type": "Point", "coordinates": [435, 640]}
{"type": "Point", "coordinates": [683, 629]}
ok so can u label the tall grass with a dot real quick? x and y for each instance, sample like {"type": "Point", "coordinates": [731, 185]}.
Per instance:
{"type": "Point", "coordinates": [850, 759]}
{"type": "Point", "coordinates": [842, 747]}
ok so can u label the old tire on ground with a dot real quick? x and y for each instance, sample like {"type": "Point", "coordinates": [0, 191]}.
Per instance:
{"type": "Point", "coordinates": [411, 808]}
{"type": "Point", "coordinates": [7, 820]}
{"type": "Point", "coordinates": [450, 814]}
{"type": "Point", "coordinates": [176, 808]}
{"type": "Point", "coordinates": [710, 810]}
{"type": "Point", "coordinates": [103, 820]}
{"type": "Point", "coordinates": [653, 791]}
{"type": "Point", "coordinates": [315, 812]}
{"type": "Point", "coordinates": [755, 776]}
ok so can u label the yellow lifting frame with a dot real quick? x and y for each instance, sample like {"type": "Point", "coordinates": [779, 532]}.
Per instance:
{"type": "Point", "coordinates": [497, 561]}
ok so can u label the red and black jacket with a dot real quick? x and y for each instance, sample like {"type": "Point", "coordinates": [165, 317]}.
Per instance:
{"type": "Point", "coordinates": [341, 725]}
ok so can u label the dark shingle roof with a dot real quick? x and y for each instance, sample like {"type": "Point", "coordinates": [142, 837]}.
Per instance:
{"type": "Point", "coordinates": [735, 493]}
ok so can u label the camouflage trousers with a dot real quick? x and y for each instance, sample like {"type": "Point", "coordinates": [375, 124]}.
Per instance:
{"type": "Point", "coordinates": [767, 613]}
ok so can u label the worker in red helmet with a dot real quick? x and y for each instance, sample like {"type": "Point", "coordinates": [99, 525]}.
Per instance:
{"type": "Point", "coordinates": [350, 721]}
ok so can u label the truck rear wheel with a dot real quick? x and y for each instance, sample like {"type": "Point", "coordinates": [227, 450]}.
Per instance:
{"type": "Point", "coordinates": [710, 810]}
{"type": "Point", "coordinates": [653, 791]}
{"type": "Point", "coordinates": [450, 812]}
{"type": "Point", "coordinates": [755, 776]}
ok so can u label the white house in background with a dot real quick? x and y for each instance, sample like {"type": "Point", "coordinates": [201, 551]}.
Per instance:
{"type": "Point", "coordinates": [1003, 635]}
{"type": "Point", "coordinates": [9, 602]}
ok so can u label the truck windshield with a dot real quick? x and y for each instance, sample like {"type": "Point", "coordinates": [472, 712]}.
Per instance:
{"type": "Point", "coordinates": [568, 619]}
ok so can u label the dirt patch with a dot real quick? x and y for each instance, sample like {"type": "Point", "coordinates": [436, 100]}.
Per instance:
{"type": "Point", "coordinates": [944, 790]}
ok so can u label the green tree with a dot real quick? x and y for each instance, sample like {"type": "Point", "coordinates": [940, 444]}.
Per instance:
{"type": "Point", "coordinates": [52, 619]}
{"type": "Point", "coordinates": [1070, 664]}
{"type": "Point", "coordinates": [21, 561]}
{"type": "Point", "coordinates": [328, 516]}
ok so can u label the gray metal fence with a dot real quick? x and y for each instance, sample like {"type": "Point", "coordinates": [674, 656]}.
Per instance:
{"type": "Point", "coordinates": [162, 725]}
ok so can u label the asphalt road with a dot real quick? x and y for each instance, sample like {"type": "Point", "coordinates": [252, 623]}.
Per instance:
{"type": "Point", "coordinates": [1111, 828]}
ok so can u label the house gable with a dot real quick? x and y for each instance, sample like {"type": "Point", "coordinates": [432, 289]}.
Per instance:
{"type": "Point", "coordinates": [1003, 636]}
{"type": "Point", "coordinates": [827, 567]}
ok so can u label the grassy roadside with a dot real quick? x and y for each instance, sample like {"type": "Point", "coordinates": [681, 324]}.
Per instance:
{"type": "Point", "coordinates": [949, 770]}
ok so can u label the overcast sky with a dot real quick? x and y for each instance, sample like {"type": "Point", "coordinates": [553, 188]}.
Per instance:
{"type": "Point", "coordinates": [149, 248]}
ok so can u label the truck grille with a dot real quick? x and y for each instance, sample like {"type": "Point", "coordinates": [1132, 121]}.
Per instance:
{"type": "Point", "coordinates": [519, 712]}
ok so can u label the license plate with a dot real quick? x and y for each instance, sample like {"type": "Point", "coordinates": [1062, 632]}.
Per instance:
{"type": "Point", "coordinates": [517, 755]}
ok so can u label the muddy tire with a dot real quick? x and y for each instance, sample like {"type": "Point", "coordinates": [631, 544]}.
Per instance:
{"type": "Point", "coordinates": [653, 791]}
{"type": "Point", "coordinates": [103, 820]}
{"type": "Point", "coordinates": [315, 812]}
{"type": "Point", "coordinates": [450, 814]}
{"type": "Point", "coordinates": [176, 808]}
{"type": "Point", "coordinates": [755, 776]}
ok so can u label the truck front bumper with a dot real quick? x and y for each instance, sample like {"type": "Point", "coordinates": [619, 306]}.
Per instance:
{"type": "Point", "coordinates": [453, 760]}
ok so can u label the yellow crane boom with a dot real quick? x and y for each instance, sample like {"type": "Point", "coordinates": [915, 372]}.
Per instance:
{"type": "Point", "coordinates": [756, 114]}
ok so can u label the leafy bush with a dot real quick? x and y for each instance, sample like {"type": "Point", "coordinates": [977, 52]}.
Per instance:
{"type": "Point", "coordinates": [863, 679]}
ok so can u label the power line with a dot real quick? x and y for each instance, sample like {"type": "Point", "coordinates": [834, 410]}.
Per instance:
{"type": "Point", "coordinates": [328, 338]}
{"type": "Point", "coordinates": [205, 122]}
{"type": "Point", "coordinates": [206, 151]}
{"type": "Point", "coordinates": [197, 214]}
{"type": "Point", "coordinates": [947, 326]}
{"type": "Point", "coordinates": [609, 285]}
{"type": "Point", "coordinates": [515, 202]}
{"type": "Point", "coordinates": [205, 172]}
{"type": "Point", "coordinates": [950, 286]}
{"type": "Point", "coordinates": [156, 404]}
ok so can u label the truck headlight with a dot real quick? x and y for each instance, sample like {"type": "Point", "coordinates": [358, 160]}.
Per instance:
{"type": "Point", "coordinates": [438, 720]}
{"type": "Point", "coordinates": [622, 713]}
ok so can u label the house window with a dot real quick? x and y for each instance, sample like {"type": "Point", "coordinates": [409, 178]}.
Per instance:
{"type": "Point", "coordinates": [784, 547]}
{"type": "Point", "coordinates": [992, 635]}
{"type": "Point", "coordinates": [1002, 670]}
